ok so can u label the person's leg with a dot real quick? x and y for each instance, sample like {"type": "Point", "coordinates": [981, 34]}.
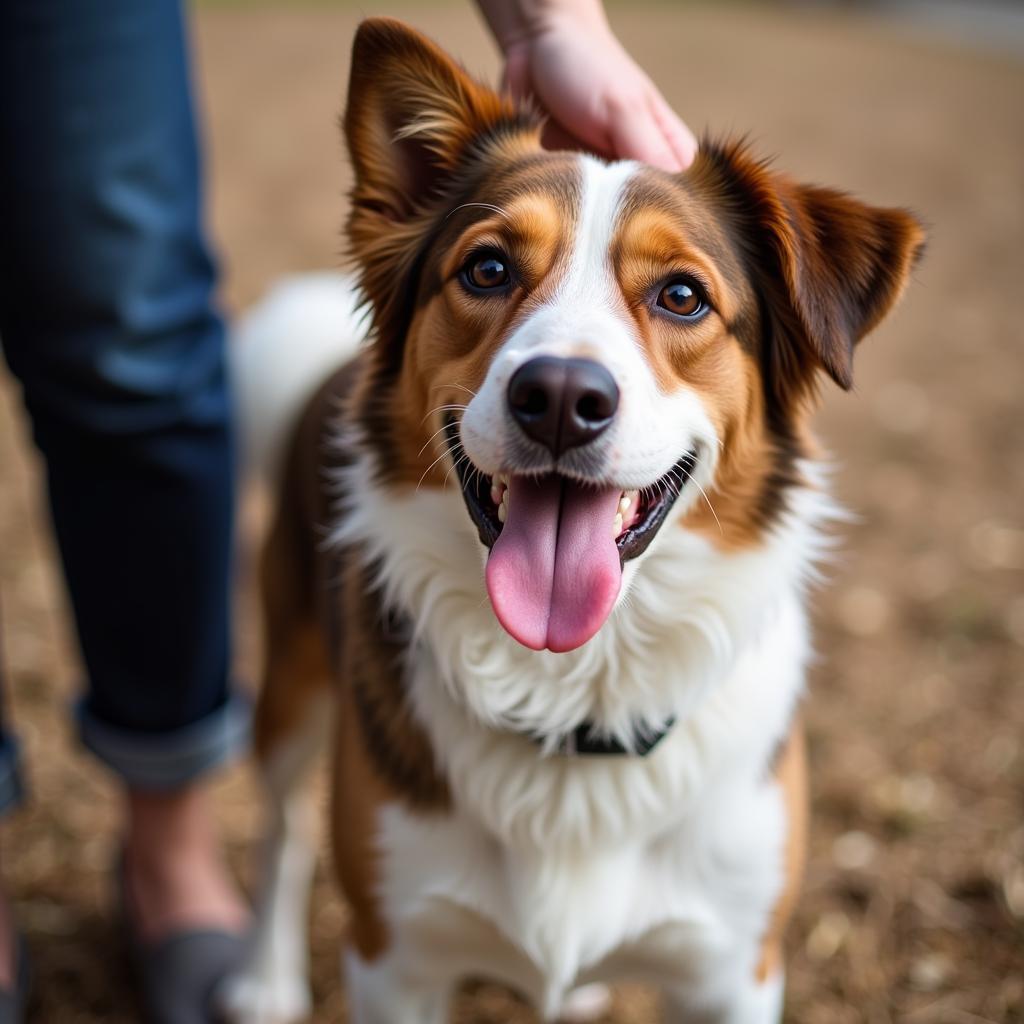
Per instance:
{"type": "Point", "coordinates": [11, 793]}
{"type": "Point", "coordinates": [8, 944]}
{"type": "Point", "coordinates": [106, 319]}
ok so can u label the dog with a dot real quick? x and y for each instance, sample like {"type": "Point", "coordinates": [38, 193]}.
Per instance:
{"type": "Point", "coordinates": [540, 558]}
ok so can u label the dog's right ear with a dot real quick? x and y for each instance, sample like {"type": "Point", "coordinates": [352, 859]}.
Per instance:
{"type": "Point", "coordinates": [413, 116]}
{"type": "Point", "coordinates": [414, 119]}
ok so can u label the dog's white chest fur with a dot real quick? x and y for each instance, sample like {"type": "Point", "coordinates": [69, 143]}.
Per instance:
{"type": "Point", "coordinates": [552, 871]}
{"type": "Point", "coordinates": [556, 871]}
{"type": "Point", "coordinates": [694, 901]}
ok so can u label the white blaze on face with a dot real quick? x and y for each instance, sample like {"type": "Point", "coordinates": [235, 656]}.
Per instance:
{"type": "Point", "coordinates": [585, 316]}
{"type": "Point", "coordinates": [554, 573]}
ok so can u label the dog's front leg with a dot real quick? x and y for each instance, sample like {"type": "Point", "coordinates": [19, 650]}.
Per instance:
{"type": "Point", "coordinates": [382, 992]}
{"type": "Point", "coordinates": [272, 986]}
{"type": "Point", "coordinates": [292, 727]}
{"type": "Point", "coordinates": [747, 1000]}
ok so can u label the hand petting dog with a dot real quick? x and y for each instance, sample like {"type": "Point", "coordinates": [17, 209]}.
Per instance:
{"type": "Point", "coordinates": [564, 54]}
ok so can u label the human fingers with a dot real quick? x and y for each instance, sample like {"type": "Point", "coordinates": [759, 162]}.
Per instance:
{"type": "Point", "coordinates": [634, 133]}
{"type": "Point", "coordinates": [680, 139]}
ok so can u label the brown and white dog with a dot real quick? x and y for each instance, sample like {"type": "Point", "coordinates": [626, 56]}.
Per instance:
{"type": "Point", "coordinates": [541, 554]}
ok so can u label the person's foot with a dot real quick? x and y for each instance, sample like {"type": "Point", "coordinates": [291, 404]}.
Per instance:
{"type": "Point", "coordinates": [175, 877]}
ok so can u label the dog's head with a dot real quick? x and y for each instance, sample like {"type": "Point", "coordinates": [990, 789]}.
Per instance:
{"type": "Point", "coordinates": [593, 350]}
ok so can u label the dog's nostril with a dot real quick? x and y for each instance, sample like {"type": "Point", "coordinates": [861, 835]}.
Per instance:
{"type": "Point", "coordinates": [594, 407]}
{"type": "Point", "coordinates": [532, 402]}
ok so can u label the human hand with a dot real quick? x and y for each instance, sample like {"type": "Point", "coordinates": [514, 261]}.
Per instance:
{"type": "Point", "coordinates": [565, 55]}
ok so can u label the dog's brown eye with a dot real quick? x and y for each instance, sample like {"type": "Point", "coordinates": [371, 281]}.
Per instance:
{"type": "Point", "coordinates": [487, 272]}
{"type": "Point", "coordinates": [684, 298]}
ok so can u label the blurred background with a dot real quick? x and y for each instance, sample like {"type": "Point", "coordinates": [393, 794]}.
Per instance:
{"type": "Point", "coordinates": [914, 901]}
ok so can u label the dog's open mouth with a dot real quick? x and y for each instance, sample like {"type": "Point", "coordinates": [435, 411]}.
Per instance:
{"type": "Point", "coordinates": [557, 546]}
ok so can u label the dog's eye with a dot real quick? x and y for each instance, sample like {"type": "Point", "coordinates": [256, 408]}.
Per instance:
{"type": "Point", "coordinates": [483, 273]}
{"type": "Point", "coordinates": [683, 298]}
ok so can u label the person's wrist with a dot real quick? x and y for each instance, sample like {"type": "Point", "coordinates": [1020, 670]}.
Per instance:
{"type": "Point", "coordinates": [543, 15]}
{"type": "Point", "coordinates": [539, 18]}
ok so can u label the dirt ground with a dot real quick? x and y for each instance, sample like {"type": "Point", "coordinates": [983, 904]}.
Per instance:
{"type": "Point", "coordinates": [914, 902]}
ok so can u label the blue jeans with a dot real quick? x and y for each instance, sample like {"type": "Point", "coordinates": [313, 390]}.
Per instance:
{"type": "Point", "coordinates": [107, 321]}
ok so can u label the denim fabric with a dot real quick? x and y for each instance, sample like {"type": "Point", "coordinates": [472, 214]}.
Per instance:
{"type": "Point", "coordinates": [107, 320]}
{"type": "Point", "coordinates": [12, 786]}
{"type": "Point", "coordinates": [167, 760]}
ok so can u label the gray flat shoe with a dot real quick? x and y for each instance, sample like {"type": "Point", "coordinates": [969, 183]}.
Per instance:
{"type": "Point", "coordinates": [14, 1003]}
{"type": "Point", "coordinates": [176, 977]}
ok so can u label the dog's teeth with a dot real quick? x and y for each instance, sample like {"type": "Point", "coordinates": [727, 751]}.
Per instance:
{"type": "Point", "coordinates": [624, 502]}
{"type": "Point", "coordinates": [617, 525]}
{"type": "Point", "coordinates": [496, 493]}
{"type": "Point", "coordinates": [502, 513]}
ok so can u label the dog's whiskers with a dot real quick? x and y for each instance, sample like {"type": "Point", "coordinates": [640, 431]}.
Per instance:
{"type": "Point", "coordinates": [704, 495]}
{"type": "Point", "coordinates": [483, 206]}
{"type": "Point", "coordinates": [443, 455]}
{"type": "Point", "coordinates": [461, 387]}
{"type": "Point", "coordinates": [439, 430]}
{"type": "Point", "coordinates": [454, 466]}
{"type": "Point", "coordinates": [451, 407]}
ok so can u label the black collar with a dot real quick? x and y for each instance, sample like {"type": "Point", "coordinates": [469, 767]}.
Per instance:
{"type": "Point", "coordinates": [584, 741]}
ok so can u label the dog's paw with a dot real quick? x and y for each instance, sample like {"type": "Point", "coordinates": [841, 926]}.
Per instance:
{"type": "Point", "coordinates": [586, 1003]}
{"type": "Point", "coordinates": [252, 998]}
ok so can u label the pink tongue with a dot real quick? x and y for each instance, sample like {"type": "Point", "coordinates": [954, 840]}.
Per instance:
{"type": "Point", "coordinates": [554, 572]}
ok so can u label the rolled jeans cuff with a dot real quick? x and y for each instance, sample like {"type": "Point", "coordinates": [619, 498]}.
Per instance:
{"type": "Point", "coordinates": [168, 760]}
{"type": "Point", "coordinates": [12, 781]}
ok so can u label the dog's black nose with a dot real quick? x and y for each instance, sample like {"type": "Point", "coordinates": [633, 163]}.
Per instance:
{"type": "Point", "coordinates": [562, 403]}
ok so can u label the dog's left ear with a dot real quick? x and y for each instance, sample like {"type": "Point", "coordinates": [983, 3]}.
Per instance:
{"type": "Point", "coordinates": [828, 267]}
